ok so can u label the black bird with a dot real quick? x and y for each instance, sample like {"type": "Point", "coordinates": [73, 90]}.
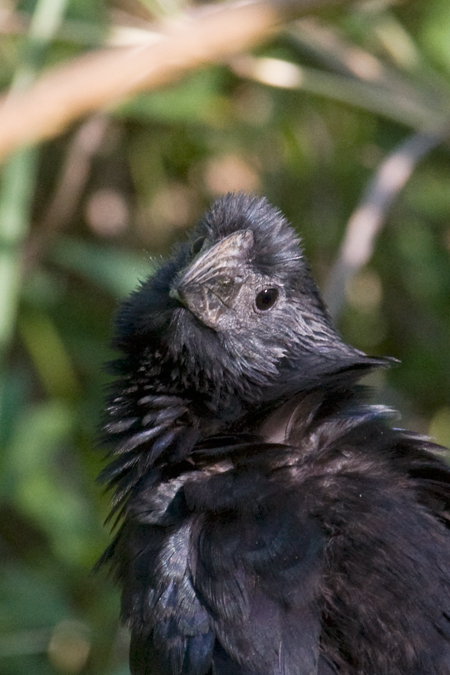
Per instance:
{"type": "Point", "coordinates": [272, 521]}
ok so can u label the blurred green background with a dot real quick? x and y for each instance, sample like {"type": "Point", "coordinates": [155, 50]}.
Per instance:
{"type": "Point", "coordinates": [82, 216]}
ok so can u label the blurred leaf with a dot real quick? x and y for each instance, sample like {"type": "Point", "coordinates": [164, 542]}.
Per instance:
{"type": "Point", "coordinates": [34, 478]}
{"type": "Point", "coordinates": [116, 271]}
{"type": "Point", "coordinates": [28, 600]}
{"type": "Point", "coordinates": [42, 339]}
{"type": "Point", "coordinates": [435, 31]}
{"type": "Point", "coordinates": [34, 442]}
{"type": "Point", "coordinates": [196, 99]}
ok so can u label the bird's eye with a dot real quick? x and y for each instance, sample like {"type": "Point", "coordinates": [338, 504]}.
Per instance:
{"type": "Point", "coordinates": [197, 245]}
{"type": "Point", "coordinates": [266, 299]}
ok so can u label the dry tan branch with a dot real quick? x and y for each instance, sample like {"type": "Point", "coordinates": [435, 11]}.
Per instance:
{"type": "Point", "coordinates": [71, 181]}
{"type": "Point", "coordinates": [369, 216]}
{"type": "Point", "coordinates": [102, 78]}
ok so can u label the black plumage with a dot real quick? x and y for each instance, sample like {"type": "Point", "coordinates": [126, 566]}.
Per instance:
{"type": "Point", "coordinates": [272, 521]}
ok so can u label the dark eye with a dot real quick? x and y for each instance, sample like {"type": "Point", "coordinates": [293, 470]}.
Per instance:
{"type": "Point", "coordinates": [197, 245]}
{"type": "Point", "coordinates": [266, 299]}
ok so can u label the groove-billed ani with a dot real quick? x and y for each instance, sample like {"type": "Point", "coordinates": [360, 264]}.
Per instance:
{"type": "Point", "coordinates": [272, 521]}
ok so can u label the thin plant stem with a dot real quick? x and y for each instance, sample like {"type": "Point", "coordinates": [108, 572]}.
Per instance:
{"type": "Point", "coordinates": [16, 188]}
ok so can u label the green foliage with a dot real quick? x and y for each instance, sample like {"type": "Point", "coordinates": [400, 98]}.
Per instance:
{"type": "Point", "coordinates": [66, 261]}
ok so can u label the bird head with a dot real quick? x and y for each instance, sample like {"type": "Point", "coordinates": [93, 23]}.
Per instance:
{"type": "Point", "coordinates": [236, 309]}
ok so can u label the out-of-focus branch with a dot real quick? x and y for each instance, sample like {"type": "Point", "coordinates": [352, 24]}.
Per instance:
{"type": "Point", "coordinates": [369, 216]}
{"type": "Point", "coordinates": [71, 182]}
{"type": "Point", "coordinates": [207, 35]}
{"type": "Point", "coordinates": [12, 22]}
